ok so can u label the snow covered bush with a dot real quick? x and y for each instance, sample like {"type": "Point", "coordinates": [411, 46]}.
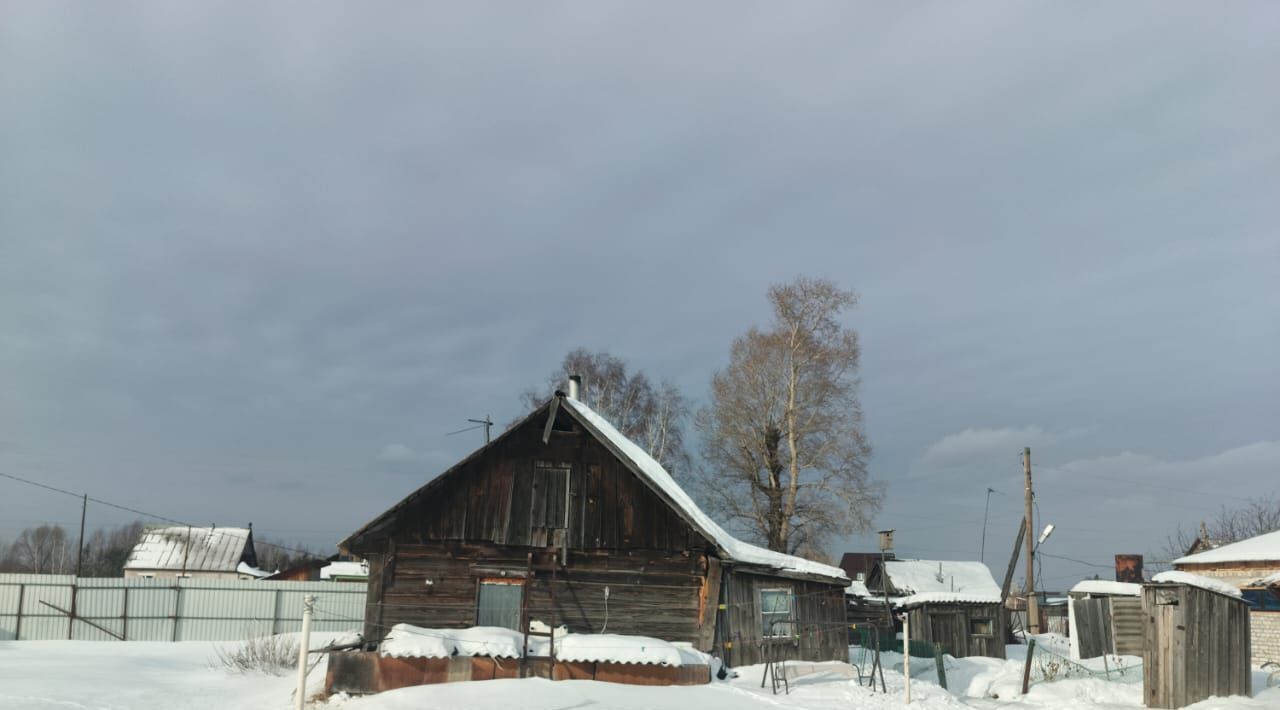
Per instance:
{"type": "Point", "coordinates": [274, 655]}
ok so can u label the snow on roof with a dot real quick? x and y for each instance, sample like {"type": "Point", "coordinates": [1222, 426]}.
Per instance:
{"type": "Point", "coordinates": [1271, 580]}
{"type": "Point", "coordinates": [1255, 549]}
{"type": "Point", "coordinates": [1102, 586]}
{"type": "Point", "coordinates": [857, 588]}
{"type": "Point", "coordinates": [1195, 580]}
{"type": "Point", "coordinates": [653, 472]}
{"type": "Point", "coordinates": [920, 581]}
{"type": "Point", "coordinates": [344, 569]}
{"type": "Point", "coordinates": [407, 641]}
{"type": "Point", "coordinates": [246, 568]}
{"type": "Point", "coordinates": [193, 549]}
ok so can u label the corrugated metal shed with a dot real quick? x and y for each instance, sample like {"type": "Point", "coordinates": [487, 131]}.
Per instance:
{"type": "Point", "coordinates": [192, 549]}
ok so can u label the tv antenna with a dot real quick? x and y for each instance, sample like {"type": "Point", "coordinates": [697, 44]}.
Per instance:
{"type": "Point", "coordinates": [487, 423]}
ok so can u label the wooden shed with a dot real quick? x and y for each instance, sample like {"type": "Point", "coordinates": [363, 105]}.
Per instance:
{"type": "Point", "coordinates": [563, 520]}
{"type": "Point", "coordinates": [1105, 618]}
{"type": "Point", "coordinates": [1197, 641]}
{"type": "Point", "coordinates": [952, 603]}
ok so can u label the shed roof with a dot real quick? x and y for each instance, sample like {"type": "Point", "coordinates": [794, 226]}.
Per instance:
{"type": "Point", "coordinates": [1103, 586]}
{"type": "Point", "coordinates": [193, 549]}
{"type": "Point", "coordinates": [1195, 580]}
{"type": "Point", "coordinates": [1262, 548]}
{"type": "Point", "coordinates": [941, 581]}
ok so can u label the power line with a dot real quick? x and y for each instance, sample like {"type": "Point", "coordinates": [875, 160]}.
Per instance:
{"type": "Point", "coordinates": [135, 511]}
{"type": "Point", "coordinates": [1072, 559]}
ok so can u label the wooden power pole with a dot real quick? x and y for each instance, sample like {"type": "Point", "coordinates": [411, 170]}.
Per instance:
{"type": "Point", "coordinates": [1033, 608]}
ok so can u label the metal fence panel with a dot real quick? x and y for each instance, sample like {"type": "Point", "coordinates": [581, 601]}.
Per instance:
{"type": "Point", "coordinates": [148, 609]}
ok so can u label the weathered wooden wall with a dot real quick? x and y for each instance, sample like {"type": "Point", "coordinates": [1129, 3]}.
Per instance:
{"type": "Point", "coordinates": [1197, 645]}
{"type": "Point", "coordinates": [819, 619]}
{"type": "Point", "coordinates": [650, 593]}
{"type": "Point", "coordinates": [949, 625]}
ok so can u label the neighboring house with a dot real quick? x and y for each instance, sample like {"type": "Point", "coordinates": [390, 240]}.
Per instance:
{"type": "Point", "coordinates": [1253, 567]}
{"type": "Point", "coordinates": [955, 604]}
{"type": "Point", "coordinates": [563, 520]}
{"type": "Point", "coordinates": [198, 553]}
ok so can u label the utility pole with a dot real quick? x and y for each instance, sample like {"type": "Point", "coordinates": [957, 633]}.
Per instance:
{"type": "Point", "coordinates": [1033, 608]}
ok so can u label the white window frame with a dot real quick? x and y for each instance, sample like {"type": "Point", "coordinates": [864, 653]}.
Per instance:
{"type": "Point", "coordinates": [791, 614]}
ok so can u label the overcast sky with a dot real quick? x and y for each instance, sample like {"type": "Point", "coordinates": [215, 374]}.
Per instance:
{"type": "Point", "coordinates": [255, 262]}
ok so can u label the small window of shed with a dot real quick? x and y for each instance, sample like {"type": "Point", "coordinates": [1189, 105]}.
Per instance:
{"type": "Point", "coordinates": [981, 627]}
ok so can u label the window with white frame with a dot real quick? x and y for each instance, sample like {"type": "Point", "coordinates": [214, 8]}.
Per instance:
{"type": "Point", "coordinates": [776, 612]}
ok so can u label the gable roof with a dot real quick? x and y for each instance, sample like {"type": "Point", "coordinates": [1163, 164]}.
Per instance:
{"type": "Point", "coordinates": [192, 549]}
{"type": "Point", "coordinates": [1262, 548]}
{"type": "Point", "coordinates": [657, 479]}
{"type": "Point", "coordinates": [920, 581]}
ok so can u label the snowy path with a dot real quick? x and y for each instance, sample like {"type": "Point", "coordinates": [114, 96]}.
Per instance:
{"type": "Point", "coordinates": [82, 675]}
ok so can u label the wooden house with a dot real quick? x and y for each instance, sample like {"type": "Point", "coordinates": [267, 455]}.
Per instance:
{"type": "Point", "coordinates": [955, 604]}
{"type": "Point", "coordinates": [563, 520]}
{"type": "Point", "coordinates": [1252, 566]}
{"type": "Point", "coordinates": [1197, 640]}
{"type": "Point", "coordinates": [1105, 618]}
{"type": "Point", "coordinates": [194, 552]}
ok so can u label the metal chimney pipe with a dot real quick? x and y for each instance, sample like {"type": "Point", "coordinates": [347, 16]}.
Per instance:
{"type": "Point", "coordinates": [575, 386]}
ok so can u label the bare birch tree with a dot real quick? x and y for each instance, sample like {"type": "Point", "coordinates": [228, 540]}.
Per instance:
{"type": "Point", "coordinates": [652, 415]}
{"type": "Point", "coordinates": [782, 437]}
{"type": "Point", "coordinates": [43, 550]}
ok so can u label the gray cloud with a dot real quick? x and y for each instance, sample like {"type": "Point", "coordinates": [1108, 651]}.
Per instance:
{"type": "Point", "coordinates": [265, 243]}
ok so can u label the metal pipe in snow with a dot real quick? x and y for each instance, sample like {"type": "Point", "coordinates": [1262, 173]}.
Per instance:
{"type": "Point", "coordinates": [906, 657]}
{"type": "Point", "coordinates": [308, 606]}
{"type": "Point", "coordinates": [575, 386]}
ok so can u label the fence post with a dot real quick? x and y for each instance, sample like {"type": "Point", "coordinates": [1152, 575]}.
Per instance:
{"type": "Point", "coordinates": [275, 614]}
{"type": "Point", "coordinates": [17, 631]}
{"type": "Point", "coordinates": [1026, 670]}
{"type": "Point", "coordinates": [942, 671]}
{"type": "Point", "coordinates": [304, 647]}
{"type": "Point", "coordinates": [124, 617]}
{"type": "Point", "coordinates": [177, 606]}
{"type": "Point", "coordinates": [906, 657]}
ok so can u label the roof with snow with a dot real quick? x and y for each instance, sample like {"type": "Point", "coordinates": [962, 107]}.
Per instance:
{"type": "Point", "coordinates": [940, 581]}
{"type": "Point", "coordinates": [1271, 580]}
{"type": "Point", "coordinates": [345, 570]}
{"type": "Point", "coordinates": [1195, 580]}
{"type": "Point", "coordinates": [1102, 586]}
{"type": "Point", "coordinates": [653, 475]}
{"type": "Point", "coordinates": [1263, 548]}
{"type": "Point", "coordinates": [192, 549]}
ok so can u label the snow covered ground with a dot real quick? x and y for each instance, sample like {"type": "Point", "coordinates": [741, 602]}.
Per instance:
{"type": "Point", "coordinates": [43, 675]}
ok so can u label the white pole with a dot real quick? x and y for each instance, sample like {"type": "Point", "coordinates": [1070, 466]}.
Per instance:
{"type": "Point", "coordinates": [304, 646]}
{"type": "Point", "coordinates": [906, 656]}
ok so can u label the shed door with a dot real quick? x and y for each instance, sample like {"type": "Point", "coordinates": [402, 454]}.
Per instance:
{"type": "Point", "coordinates": [1093, 626]}
{"type": "Point", "coordinates": [499, 603]}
